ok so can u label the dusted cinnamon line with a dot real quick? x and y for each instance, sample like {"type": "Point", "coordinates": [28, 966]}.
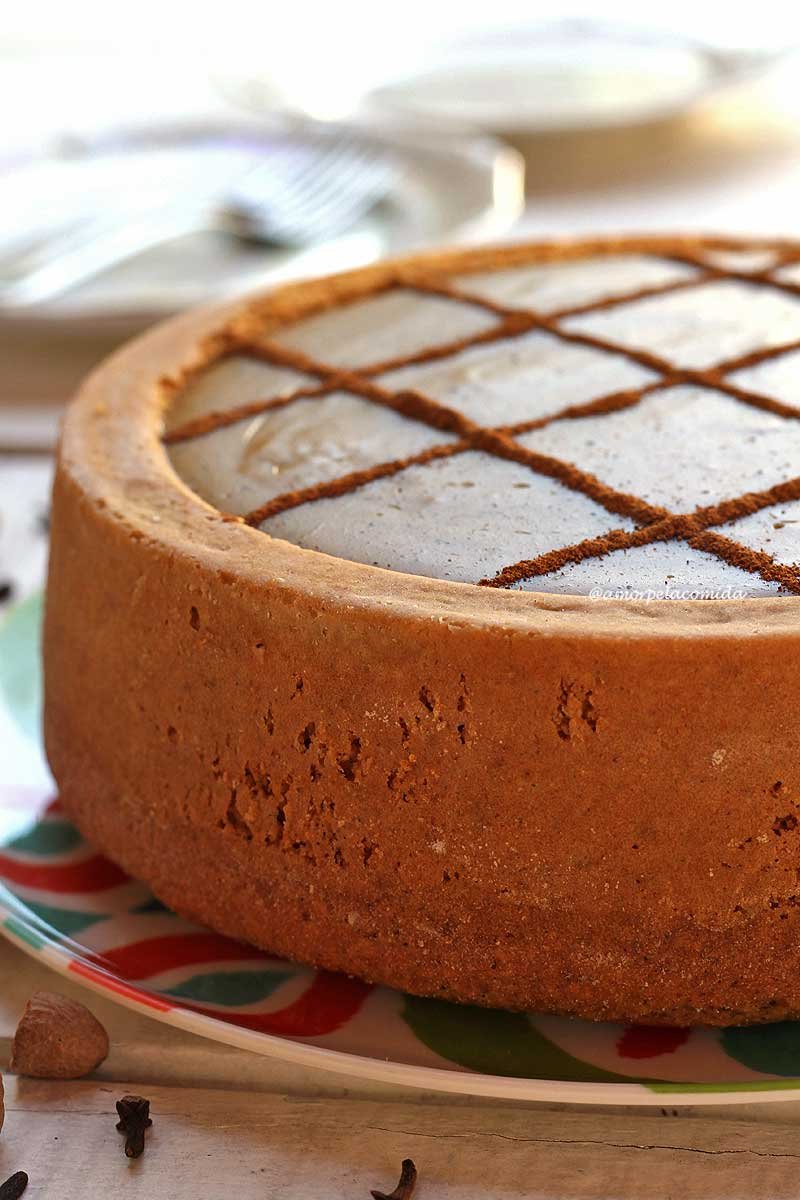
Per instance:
{"type": "Point", "coordinates": [448, 291]}
{"type": "Point", "coordinates": [689, 527]}
{"type": "Point", "coordinates": [495, 442]}
{"type": "Point", "coordinates": [212, 421]}
{"type": "Point", "coordinates": [528, 320]}
{"type": "Point", "coordinates": [765, 277]}
{"type": "Point", "coordinates": [708, 275]}
{"type": "Point", "coordinates": [332, 377]}
{"type": "Point", "coordinates": [621, 503]}
{"type": "Point", "coordinates": [610, 403]}
{"type": "Point", "coordinates": [513, 323]}
{"type": "Point", "coordinates": [349, 483]}
{"type": "Point", "coordinates": [655, 522]}
{"type": "Point", "coordinates": [476, 437]}
{"type": "Point", "coordinates": [756, 561]}
{"type": "Point", "coordinates": [712, 378]}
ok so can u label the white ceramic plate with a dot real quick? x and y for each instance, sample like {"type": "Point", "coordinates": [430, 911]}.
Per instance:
{"type": "Point", "coordinates": [564, 77]}
{"type": "Point", "coordinates": [449, 187]}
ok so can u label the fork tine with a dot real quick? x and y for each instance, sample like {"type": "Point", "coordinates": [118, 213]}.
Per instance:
{"type": "Point", "coordinates": [342, 182]}
{"type": "Point", "coordinates": [317, 187]}
{"type": "Point", "coordinates": [326, 210]}
{"type": "Point", "coordinates": [298, 188]}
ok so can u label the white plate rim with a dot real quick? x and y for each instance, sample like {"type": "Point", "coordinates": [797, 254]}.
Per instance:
{"type": "Point", "coordinates": [727, 68]}
{"type": "Point", "coordinates": [374, 1070]}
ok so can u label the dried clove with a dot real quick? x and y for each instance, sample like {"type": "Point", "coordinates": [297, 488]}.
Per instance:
{"type": "Point", "coordinates": [134, 1118]}
{"type": "Point", "coordinates": [405, 1188]}
{"type": "Point", "coordinates": [13, 1188]}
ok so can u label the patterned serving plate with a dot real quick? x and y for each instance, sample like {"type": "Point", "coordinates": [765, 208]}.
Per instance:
{"type": "Point", "coordinates": [67, 906]}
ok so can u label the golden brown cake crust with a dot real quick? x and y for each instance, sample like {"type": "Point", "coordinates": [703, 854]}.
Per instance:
{"type": "Point", "coordinates": [524, 800]}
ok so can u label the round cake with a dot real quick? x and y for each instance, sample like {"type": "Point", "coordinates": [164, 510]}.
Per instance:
{"type": "Point", "coordinates": [439, 623]}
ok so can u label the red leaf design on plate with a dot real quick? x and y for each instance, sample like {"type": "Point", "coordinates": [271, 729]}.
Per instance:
{"type": "Point", "coordinates": [328, 1004]}
{"type": "Point", "coordinates": [649, 1041]}
{"type": "Point", "coordinates": [141, 960]}
{"type": "Point", "coordinates": [93, 874]}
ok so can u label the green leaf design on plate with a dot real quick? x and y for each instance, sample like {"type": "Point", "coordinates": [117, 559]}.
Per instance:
{"type": "Point", "coordinates": [745, 1085]}
{"type": "Point", "coordinates": [230, 988]}
{"type": "Point", "coordinates": [64, 920]}
{"type": "Point", "coordinates": [771, 1049]}
{"type": "Point", "coordinates": [497, 1043]}
{"type": "Point", "coordinates": [46, 839]}
{"type": "Point", "coordinates": [20, 677]}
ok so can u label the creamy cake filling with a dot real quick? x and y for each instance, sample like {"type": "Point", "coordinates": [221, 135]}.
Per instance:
{"type": "Point", "coordinates": [620, 424]}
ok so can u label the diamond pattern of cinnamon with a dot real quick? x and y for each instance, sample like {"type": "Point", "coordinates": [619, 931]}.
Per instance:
{"type": "Point", "coordinates": [699, 527]}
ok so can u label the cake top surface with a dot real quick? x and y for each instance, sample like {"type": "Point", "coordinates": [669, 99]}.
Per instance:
{"type": "Point", "coordinates": [622, 423]}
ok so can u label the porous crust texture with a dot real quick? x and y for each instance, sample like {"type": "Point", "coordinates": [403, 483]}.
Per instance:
{"type": "Point", "coordinates": [527, 801]}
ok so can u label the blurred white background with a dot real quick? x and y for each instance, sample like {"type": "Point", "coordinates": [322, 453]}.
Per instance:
{"type": "Point", "coordinates": [716, 152]}
{"type": "Point", "coordinates": [98, 61]}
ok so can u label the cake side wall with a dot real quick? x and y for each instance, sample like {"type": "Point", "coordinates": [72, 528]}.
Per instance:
{"type": "Point", "coordinates": [468, 812]}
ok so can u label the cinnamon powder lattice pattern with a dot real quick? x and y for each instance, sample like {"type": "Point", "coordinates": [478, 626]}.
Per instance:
{"type": "Point", "coordinates": [647, 523]}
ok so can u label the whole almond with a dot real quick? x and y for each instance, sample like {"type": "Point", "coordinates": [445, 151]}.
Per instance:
{"type": "Point", "coordinates": [57, 1038]}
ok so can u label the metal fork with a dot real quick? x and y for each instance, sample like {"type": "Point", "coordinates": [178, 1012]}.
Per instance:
{"type": "Point", "coordinates": [291, 202]}
{"type": "Point", "coordinates": [314, 186]}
